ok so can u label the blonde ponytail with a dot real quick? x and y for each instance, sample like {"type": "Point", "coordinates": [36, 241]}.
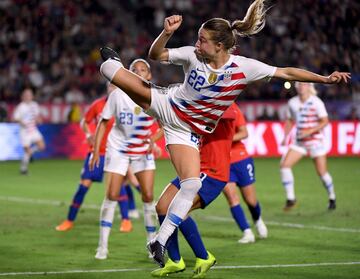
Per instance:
{"type": "Point", "coordinates": [253, 22]}
{"type": "Point", "coordinates": [222, 31]}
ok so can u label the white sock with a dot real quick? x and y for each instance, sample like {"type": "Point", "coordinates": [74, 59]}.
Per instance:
{"type": "Point", "coordinates": [25, 162]}
{"type": "Point", "coordinates": [328, 184]}
{"type": "Point", "coordinates": [287, 179]}
{"type": "Point", "coordinates": [150, 220]}
{"type": "Point", "coordinates": [179, 208]}
{"type": "Point", "coordinates": [109, 68]}
{"type": "Point", "coordinates": [106, 219]}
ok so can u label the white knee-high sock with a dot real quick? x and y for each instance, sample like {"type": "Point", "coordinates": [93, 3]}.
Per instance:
{"type": "Point", "coordinates": [106, 219]}
{"type": "Point", "coordinates": [109, 68]}
{"type": "Point", "coordinates": [287, 179]}
{"type": "Point", "coordinates": [328, 184]}
{"type": "Point", "coordinates": [179, 208]}
{"type": "Point", "coordinates": [150, 219]}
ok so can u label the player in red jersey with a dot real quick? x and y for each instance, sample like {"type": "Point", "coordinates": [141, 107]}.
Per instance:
{"type": "Point", "coordinates": [215, 165]}
{"type": "Point", "coordinates": [242, 174]}
{"type": "Point", "coordinates": [88, 125]}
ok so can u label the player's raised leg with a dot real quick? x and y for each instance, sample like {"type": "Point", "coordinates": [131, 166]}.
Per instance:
{"type": "Point", "coordinates": [133, 85]}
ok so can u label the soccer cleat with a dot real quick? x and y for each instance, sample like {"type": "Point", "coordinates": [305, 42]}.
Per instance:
{"type": "Point", "coordinates": [101, 253]}
{"type": "Point", "coordinates": [202, 266]}
{"type": "Point", "coordinates": [332, 205]}
{"type": "Point", "coordinates": [261, 228]}
{"type": "Point", "coordinates": [126, 226]}
{"type": "Point", "coordinates": [108, 53]}
{"type": "Point", "coordinates": [290, 204]}
{"type": "Point", "coordinates": [248, 237]}
{"type": "Point", "coordinates": [169, 268]}
{"type": "Point", "coordinates": [134, 214]}
{"type": "Point", "coordinates": [65, 226]}
{"type": "Point", "coordinates": [157, 252]}
{"type": "Point", "coordinates": [24, 172]}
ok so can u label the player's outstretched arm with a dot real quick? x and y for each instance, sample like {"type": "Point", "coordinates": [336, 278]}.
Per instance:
{"type": "Point", "coordinates": [296, 74]}
{"type": "Point", "coordinates": [157, 50]}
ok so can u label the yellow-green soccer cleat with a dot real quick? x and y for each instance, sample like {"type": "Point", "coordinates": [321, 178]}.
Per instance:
{"type": "Point", "coordinates": [202, 266]}
{"type": "Point", "coordinates": [169, 268]}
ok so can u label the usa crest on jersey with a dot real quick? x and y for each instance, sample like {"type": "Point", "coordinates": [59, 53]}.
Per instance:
{"type": "Point", "coordinates": [227, 76]}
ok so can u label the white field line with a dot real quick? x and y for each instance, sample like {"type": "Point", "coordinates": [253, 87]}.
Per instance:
{"type": "Point", "coordinates": [289, 225]}
{"type": "Point", "coordinates": [212, 218]}
{"type": "Point", "coordinates": [148, 269]}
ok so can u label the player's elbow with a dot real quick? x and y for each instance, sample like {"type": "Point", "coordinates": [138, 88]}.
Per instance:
{"type": "Point", "coordinates": [153, 54]}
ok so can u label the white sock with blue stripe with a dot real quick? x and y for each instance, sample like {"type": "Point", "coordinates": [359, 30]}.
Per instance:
{"type": "Point", "coordinates": [107, 213]}
{"type": "Point", "coordinates": [150, 219]}
{"type": "Point", "coordinates": [179, 208]}
{"type": "Point", "coordinates": [287, 179]}
{"type": "Point", "coordinates": [328, 184]}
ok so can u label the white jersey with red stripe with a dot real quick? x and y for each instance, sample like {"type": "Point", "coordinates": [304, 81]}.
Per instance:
{"type": "Point", "coordinates": [206, 92]}
{"type": "Point", "coordinates": [27, 114]}
{"type": "Point", "coordinates": [131, 127]}
{"type": "Point", "coordinates": [306, 116]}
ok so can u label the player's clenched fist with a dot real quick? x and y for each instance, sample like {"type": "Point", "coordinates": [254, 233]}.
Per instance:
{"type": "Point", "coordinates": [172, 23]}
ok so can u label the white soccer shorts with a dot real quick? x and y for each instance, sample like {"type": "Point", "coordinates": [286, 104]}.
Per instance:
{"type": "Point", "coordinates": [117, 162]}
{"type": "Point", "coordinates": [28, 138]}
{"type": "Point", "coordinates": [176, 131]}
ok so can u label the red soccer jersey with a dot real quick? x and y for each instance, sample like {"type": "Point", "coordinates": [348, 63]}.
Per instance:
{"type": "Point", "coordinates": [92, 117]}
{"type": "Point", "coordinates": [215, 148]}
{"type": "Point", "coordinates": [238, 149]}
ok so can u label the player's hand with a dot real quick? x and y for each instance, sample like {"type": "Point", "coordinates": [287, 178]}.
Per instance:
{"type": "Point", "coordinates": [94, 161]}
{"type": "Point", "coordinates": [283, 142]}
{"type": "Point", "coordinates": [337, 77]}
{"type": "Point", "coordinates": [157, 151]}
{"type": "Point", "coordinates": [172, 23]}
{"type": "Point", "coordinates": [305, 133]}
{"type": "Point", "coordinates": [151, 145]}
{"type": "Point", "coordinates": [90, 139]}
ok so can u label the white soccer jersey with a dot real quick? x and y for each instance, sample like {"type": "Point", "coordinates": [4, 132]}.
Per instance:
{"type": "Point", "coordinates": [27, 113]}
{"type": "Point", "coordinates": [206, 93]}
{"type": "Point", "coordinates": [131, 127]}
{"type": "Point", "coordinates": [306, 115]}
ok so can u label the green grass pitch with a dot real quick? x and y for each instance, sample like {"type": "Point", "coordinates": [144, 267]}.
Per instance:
{"type": "Point", "coordinates": [308, 242]}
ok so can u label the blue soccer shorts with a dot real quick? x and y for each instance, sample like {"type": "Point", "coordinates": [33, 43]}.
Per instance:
{"type": "Point", "coordinates": [211, 188]}
{"type": "Point", "coordinates": [243, 172]}
{"type": "Point", "coordinates": [95, 175]}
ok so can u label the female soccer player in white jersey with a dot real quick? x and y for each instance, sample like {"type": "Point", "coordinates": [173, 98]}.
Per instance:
{"type": "Point", "coordinates": [309, 115]}
{"type": "Point", "coordinates": [129, 143]}
{"type": "Point", "coordinates": [27, 113]}
{"type": "Point", "coordinates": [213, 79]}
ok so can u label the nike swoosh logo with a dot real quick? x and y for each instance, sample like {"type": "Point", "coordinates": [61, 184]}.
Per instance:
{"type": "Point", "coordinates": [199, 70]}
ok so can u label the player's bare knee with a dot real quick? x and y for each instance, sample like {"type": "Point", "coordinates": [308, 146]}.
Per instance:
{"type": "Point", "coordinates": [112, 196]}
{"type": "Point", "coordinates": [147, 197]}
